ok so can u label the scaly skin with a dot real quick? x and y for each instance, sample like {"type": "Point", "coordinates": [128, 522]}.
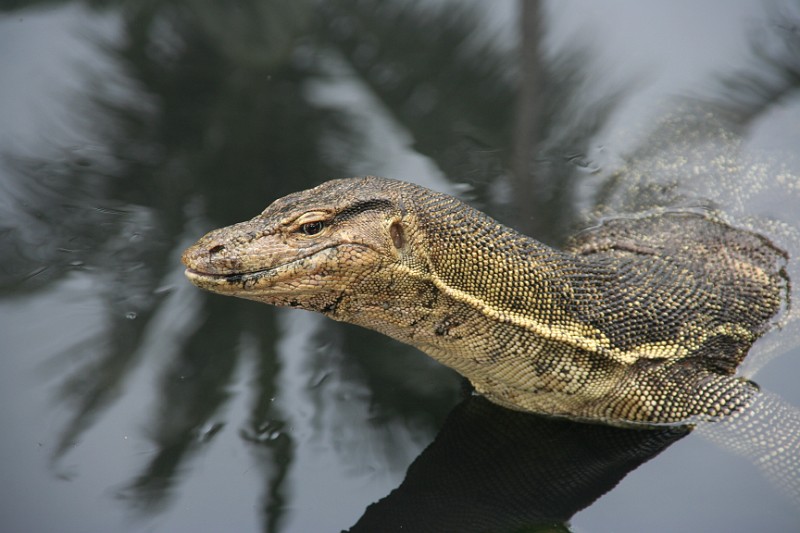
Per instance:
{"type": "Point", "coordinates": [641, 320]}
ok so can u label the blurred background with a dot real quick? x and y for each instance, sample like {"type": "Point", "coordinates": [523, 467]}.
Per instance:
{"type": "Point", "coordinates": [131, 401]}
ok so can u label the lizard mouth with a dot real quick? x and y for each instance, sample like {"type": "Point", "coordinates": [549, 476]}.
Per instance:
{"type": "Point", "coordinates": [249, 275]}
{"type": "Point", "coordinates": [199, 275]}
{"type": "Point", "coordinates": [248, 279]}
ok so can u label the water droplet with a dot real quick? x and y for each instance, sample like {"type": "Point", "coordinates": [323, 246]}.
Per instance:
{"type": "Point", "coordinates": [269, 431]}
{"type": "Point", "coordinates": [130, 315]}
{"type": "Point", "coordinates": [35, 272]}
{"type": "Point", "coordinates": [164, 289]}
{"type": "Point", "coordinates": [321, 380]}
{"type": "Point", "coordinates": [584, 164]}
{"type": "Point", "coordinates": [207, 432]}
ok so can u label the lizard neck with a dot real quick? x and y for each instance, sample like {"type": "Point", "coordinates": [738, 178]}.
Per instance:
{"type": "Point", "coordinates": [474, 257]}
{"type": "Point", "coordinates": [468, 290]}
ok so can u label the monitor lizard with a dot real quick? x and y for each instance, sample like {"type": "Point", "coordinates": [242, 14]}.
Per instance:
{"type": "Point", "coordinates": [640, 320]}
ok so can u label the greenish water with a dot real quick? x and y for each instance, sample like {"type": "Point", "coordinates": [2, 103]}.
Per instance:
{"type": "Point", "coordinates": [133, 402]}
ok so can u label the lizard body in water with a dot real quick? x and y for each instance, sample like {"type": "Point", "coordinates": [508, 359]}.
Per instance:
{"type": "Point", "coordinates": [639, 320]}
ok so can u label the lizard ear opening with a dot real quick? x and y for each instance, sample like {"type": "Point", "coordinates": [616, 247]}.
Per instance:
{"type": "Point", "coordinates": [397, 234]}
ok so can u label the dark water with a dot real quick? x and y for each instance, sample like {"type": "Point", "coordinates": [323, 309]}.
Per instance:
{"type": "Point", "coordinates": [132, 402]}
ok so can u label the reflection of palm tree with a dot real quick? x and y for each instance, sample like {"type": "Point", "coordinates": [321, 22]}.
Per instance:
{"type": "Point", "coordinates": [483, 116]}
{"type": "Point", "coordinates": [216, 120]}
{"type": "Point", "coordinates": [205, 130]}
{"type": "Point", "coordinates": [745, 96]}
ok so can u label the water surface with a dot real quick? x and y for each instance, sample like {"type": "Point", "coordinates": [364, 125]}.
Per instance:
{"type": "Point", "coordinates": [133, 402]}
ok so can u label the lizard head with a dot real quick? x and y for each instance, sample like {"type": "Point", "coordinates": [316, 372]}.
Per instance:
{"type": "Point", "coordinates": [312, 249]}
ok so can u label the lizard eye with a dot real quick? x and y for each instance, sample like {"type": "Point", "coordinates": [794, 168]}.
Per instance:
{"type": "Point", "coordinates": [312, 228]}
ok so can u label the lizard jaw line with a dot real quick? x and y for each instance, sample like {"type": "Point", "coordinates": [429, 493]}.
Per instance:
{"type": "Point", "coordinates": [207, 279]}
{"type": "Point", "coordinates": [240, 277]}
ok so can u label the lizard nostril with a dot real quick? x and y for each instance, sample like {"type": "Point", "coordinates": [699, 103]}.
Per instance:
{"type": "Point", "coordinates": [216, 249]}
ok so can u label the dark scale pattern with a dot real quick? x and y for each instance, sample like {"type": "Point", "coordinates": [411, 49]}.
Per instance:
{"type": "Point", "coordinates": [640, 319]}
{"type": "Point", "coordinates": [685, 278]}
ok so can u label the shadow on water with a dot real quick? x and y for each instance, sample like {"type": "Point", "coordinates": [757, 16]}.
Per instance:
{"type": "Point", "coordinates": [211, 116]}
{"type": "Point", "coordinates": [493, 469]}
